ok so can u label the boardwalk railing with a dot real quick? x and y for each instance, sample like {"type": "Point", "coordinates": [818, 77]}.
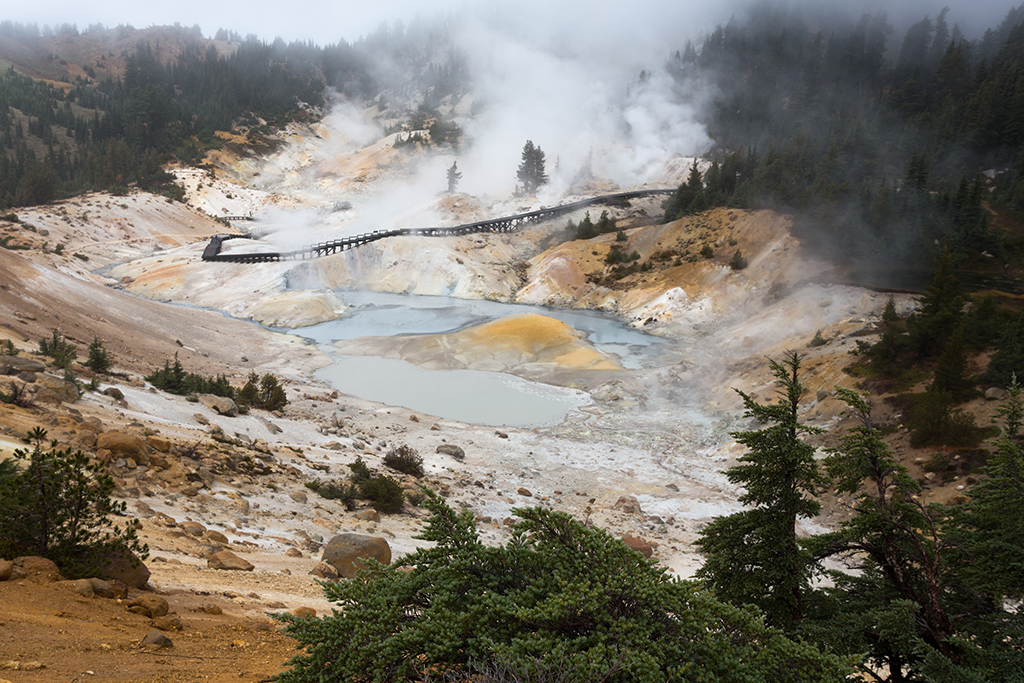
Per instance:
{"type": "Point", "coordinates": [504, 224]}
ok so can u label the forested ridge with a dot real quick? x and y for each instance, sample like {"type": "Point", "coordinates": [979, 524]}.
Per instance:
{"type": "Point", "coordinates": [876, 142]}
{"type": "Point", "coordinates": [106, 131]}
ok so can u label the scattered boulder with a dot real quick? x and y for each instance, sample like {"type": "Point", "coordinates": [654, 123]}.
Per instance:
{"type": "Point", "coordinates": [639, 545]}
{"type": "Point", "coordinates": [192, 528]}
{"type": "Point", "coordinates": [293, 552]}
{"type": "Point", "coordinates": [995, 394]}
{"type": "Point", "coordinates": [303, 613]}
{"type": "Point", "coordinates": [158, 461]}
{"type": "Point", "coordinates": [22, 364]}
{"type": "Point", "coordinates": [155, 640]}
{"type": "Point", "coordinates": [227, 560]}
{"type": "Point", "coordinates": [201, 419]}
{"type": "Point", "coordinates": [84, 441]}
{"type": "Point", "coordinates": [89, 588]}
{"type": "Point", "coordinates": [525, 493]}
{"type": "Point", "coordinates": [158, 443]}
{"type": "Point", "coordinates": [224, 406]}
{"type": "Point", "coordinates": [123, 445]}
{"type": "Point", "coordinates": [298, 496]}
{"type": "Point", "coordinates": [628, 504]}
{"type": "Point", "coordinates": [216, 537]}
{"type": "Point", "coordinates": [452, 450]}
{"type": "Point", "coordinates": [368, 516]}
{"type": "Point", "coordinates": [64, 390]}
{"type": "Point", "coordinates": [325, 572]}
{"type": "Point", "coordinates": [6, 569]}
{"type": "Point", "coordinates": [168, 622]}
{"type": "Point", "coordinates": [126, 567]}
{"type": "Point", "coordinates": [149, 605]}
{"type": "Point", "coordinates": [345, 552]}
{"type": "Point", "coordinates": [114, 393]}
{"type": "Point", "coordinates": [36, 568]}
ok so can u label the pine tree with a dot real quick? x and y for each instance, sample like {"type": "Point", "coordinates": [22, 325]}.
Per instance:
{"type": "Point", "coordinates": [753, 556]}
{"type": "Point", "coordinates": [531, 171]}
{"type": "Point", "coordinates": [454, 176]}
{"type": "Point", "coordinates": [941, 308]}
{"type": "Point", "coordinates": [1008, 360]}
{"type": "Point", "coordinates": [908, 608]}
{"type": "Point", "coordinates": [889, 315]}
{"type": "Point", "coordinates": [98, 360]}
{"type": "Point", "coordinates": [992, 519]}
{"type": "Point", "coordinates": [59, 506]}
{"type": "Point", "coordinates": [951, 370]}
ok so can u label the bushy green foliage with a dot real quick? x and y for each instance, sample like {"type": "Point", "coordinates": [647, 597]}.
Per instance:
{"type": "Point", "coordinates": [817, 340]}
{"type": "Point", "coordinates": [707, 252]}
{"type": "Point", "coordinates": [619, 255]}
{"type": "Point", "coordinates": [404, 459]}
{"type": "Point", "coordinates": [558, 595]}
{"type": "Point", "coordinates": [359, 469]}
{"type": "Point", "coordinates": [59, 349]}
{"type": "Point", "coordinates": [8, 348]}
{"type": "Point", "coordinates": [98, 360]}
{"type": "Point", "coordinates": [262, 392]}
{"type": "Point", "coordinates": [175, 380]}
{"type": "Point", "coordinates": [59, 506]}
{"type": "Point", "coordinates": [334, 490]}
{"type": "Point", "coordinates": [384, 493]}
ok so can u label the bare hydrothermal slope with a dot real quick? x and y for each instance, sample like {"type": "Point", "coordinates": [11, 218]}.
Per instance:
{"type": "Point", "coordinates": [643, 458]}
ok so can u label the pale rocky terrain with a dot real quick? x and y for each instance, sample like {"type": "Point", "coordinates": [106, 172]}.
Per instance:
{"type": "Point", "coordinates": [644, 459]}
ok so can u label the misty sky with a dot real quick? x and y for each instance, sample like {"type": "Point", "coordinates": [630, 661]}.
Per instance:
{"type": "Point", "coordinates": [327, 22]}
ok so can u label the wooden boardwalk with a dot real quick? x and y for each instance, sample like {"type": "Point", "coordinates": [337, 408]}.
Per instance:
{"type": "Point", "coordinates": [504, 224]}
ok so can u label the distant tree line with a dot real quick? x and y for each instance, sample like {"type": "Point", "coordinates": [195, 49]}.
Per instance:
{"type": "Point", "coordinates": [878, 160]}
{"type": "Point", "coordinates": [114, 133]}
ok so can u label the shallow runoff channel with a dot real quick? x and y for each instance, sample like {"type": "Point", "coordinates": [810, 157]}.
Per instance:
{"type": "Point", "coordinates": [476, 397]}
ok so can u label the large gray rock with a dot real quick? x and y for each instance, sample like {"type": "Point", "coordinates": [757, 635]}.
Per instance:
{"type": "Point", "coordinates": [344, 552]}
{"type": "Point", "coordinates": [995, 394]}
{"type": "Point", "coordinates": [21, 364]}
{"type": "Point", "coordinates": [452, 450]}
{"type": "Point", "coordinates": [89, 588]}
{"type": "Point", "coordinates": [223, 406]}
{"type": "Point", "coordinates": [154, 640]}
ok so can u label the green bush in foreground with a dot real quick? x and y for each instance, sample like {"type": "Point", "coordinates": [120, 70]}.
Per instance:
{"type": "Point", "coordinates": [59, 507]}
{"type": "Point", "coordinates": [559, 597]}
